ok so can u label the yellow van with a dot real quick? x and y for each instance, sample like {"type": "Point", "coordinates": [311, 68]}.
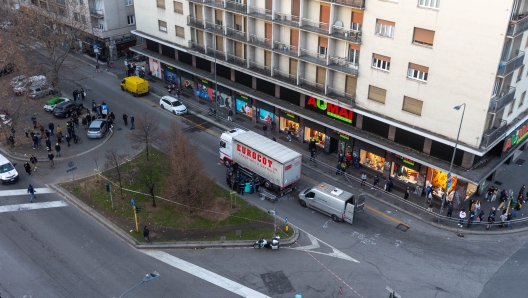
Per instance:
{"type": "Point", "coordinates": [135, 85]}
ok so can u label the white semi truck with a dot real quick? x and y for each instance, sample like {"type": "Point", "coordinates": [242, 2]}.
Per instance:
{"type": "Point", "coordinates": [277, 166]}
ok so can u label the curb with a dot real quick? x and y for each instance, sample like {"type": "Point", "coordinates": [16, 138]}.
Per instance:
{"type": "Point", "coordinates": [162, 245]}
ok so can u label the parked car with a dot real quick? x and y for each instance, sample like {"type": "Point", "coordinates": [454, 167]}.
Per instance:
{"type": "Point", "coordinates": [37, 91]}
{"type": "Point", "coordinates": [139, 58]}
{"type": "Point", "coordinates": [98, 129]}
{"type": "Point", "coordinates": [51, 103]}
{"type": "Point", "coordinates": [18, 80]}
{"type": "Point", "coordinates": [172, 104]}
{"type": "Point", "coordinates": [8, 173]}
{"type": "Point", "coordinates": [66, 109]}
{"type": "Point", "coordinates": [7, 69]}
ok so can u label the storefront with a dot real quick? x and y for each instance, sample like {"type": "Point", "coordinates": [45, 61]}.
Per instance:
{"type": "Point", "coordinates": [120, 46]}
{"type": "Point", "coordinates": [155, 68]}
{"type": "Point", "coordinates": [288, 122]}
{"type": "Point", "coordinates": [169, 75]}
{"type": "Point", "coordinates": [203, 89]}
{"type": "Point", "coordinates": [187, 81]}
{"type": "Point", "coordinates": [314, 131]}
{"type": "Point", "coordinates": [438, 181]}
{"type": "Point", "coordinates": [243, 105]}
{"type": "Point", "coordinates": [345, 143]}
{"type": "Point", "coordinates": [370, 156]}
{"type": "Point", "coordinates": [405, 169]}
{"type": "Point", "coordinates": [265, 113]}
{"type": "Point", "coordinates": [224, 97]}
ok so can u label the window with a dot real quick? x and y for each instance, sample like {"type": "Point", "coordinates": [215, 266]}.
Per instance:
{"type": "Point", "coordinates": [385, 28]}
{"type": "Point", "coordinates": [76, 16]}
{"type": "Point", "coordinates": [180, 31]}
{"type": "Point", "coordinates": [323, 47]}
{"type": "Point", "coordinates": [423, 36]}
{"type": "Point", "coordinates": [512, 106]}
{"type": "Point", "coordinates": [417, 72]}
{"type": "Point", "coordinates": [412, 105]}
{"type": "Point", "coordinates": [429, 3]}
{"type": "Point", "coordinates": [129, 2]}
{"type": "Point", "coordinates": [353, 56]}
{"type": "Point", "coordinates": [521, 102]}
{"type": "Point", "coordinates": [377, 94]}
{"type": "Point", "coordinates": [178, 7]}
{"type": "Point", "coordinates": [162, 26]}
{"type": "Point", "coordinates": [322, 52]}
{"type": "Point", "coordinates": [131, 20]}
{"type": "Point", "coordinates": [161, 3]}
{"type": "Point", "coordinates": [381, 62]}
{"type": "Point", "coordinates": [519, 75]}
{"type": "Point", "coordinates": [357, 21]}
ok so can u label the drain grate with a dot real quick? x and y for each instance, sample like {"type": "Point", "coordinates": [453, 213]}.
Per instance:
{"type": "Point", "coordinates": [520, 161]}
{"type": "Point", "coordinates": [498, 182]}
{"type": "Point", "coordinates": [402, 227]}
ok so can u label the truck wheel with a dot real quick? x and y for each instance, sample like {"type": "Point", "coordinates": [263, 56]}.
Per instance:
{"type": "Point", "coordinates": [227, 163]}
{"type": "Point", "coordinates": [303, 203]}
{"type": "Point", "coordinates": [335, 218]}
{"type": "Point", "coordinates": [267, 184]}
{"type": "Point", "coordinates": [135, 94]}
{"type": "Point", "coordinates": [122, 88]}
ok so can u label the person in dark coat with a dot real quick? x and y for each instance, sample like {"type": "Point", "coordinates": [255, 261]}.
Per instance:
{"type": "Point", "coordinates": [146, 234]}
{"type": "Point", "coordinates": [125, 119]}
{"type": "Point", "coordinates": [27, 167]}
{"type": "Point", "coordinates": [51, 127]}
{"type": "Point", "coordinates": [132, 122]}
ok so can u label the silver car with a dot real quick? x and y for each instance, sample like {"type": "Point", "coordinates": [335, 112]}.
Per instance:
{"type": "Point", "coordinates": [98, 129]}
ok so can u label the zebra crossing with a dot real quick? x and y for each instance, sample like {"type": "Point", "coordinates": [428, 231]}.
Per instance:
{"type": "Point", "coordinates": [15, 193]}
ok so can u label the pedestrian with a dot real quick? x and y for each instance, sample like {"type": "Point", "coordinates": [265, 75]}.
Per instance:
{"type": "Point", "coordinates": [471, 203]}
{"type": "Point", "coordinates": [11, 139]}
{"type": "Point", "coordinates": [48, 145]}
{"type": "Point", "coordinates": [32, 192]}
{"type": "Point", "coordinates": [75, 93]}
{"type": "Point", "coordinates": [57, 149]}
{"type": "Point", "coordinates": [76, 121]}
{"type": "Point", "coordinates": [51, 127]}
{"type": "Point", "coordinates": [39, 138]}
{"type": "Point", "coordinates": [430, 204]}
{"type": "Point", "coordinates": [363, 178]}
{"type": "Point", "coordinates": [83, 94]}
{"type": "Point", "coordinates": [257, 183]}
{"type": "Point", "coordinates": [50, 157]}
{"type": "Point", "coordinates": [97, 67]}
{"type": "Point", "coordinates": [470, 219]}
{"type": "Point", "coordinates": [388, 185]}
{"type": "Point", "coordinates": [178, 93]}
{"type": "Point", "coordinates": [481, 216]}
{"type": "Point", "coordinates": [272, 126]}
{"type": "Point", "coordinates": [230, 115]}
{"type": "Point", "coordinates": [85, 123]}
{"type": "Point", "coordinates": [126, 66]}
{"type": "Point", "coordinates": [146, 234]}
{"type": "Point", "coordinates": [26, 131]}
{"type": "Point", "coordinates": [491, 220]}
{"type": "Point", "coordinates": [94, 106]}
{"type": "Point", "coordinates": [503, 219]}
{"type": "Point", "coordinates": [125, 119]}
{"type": "Point", "coordinates": [68, 139]}
{"type": "Point", "coordinates": [265, 129]}
{"type": "Point", "coordinates": [508, 219]}
{"type": "Point", "coordinates": [450, 206]}
{"type": "Point", "coordinates": [132, 122]}
{"type": "Point", "coordinates": [494, 195]}
{"type": "Point", "coordinates": [59, 132]}
{"type": "Point", "coordinates": [477, 207]}
{"type": "Point", "coordinates": [34, 120]}
{"type": "Point", "coordinates": [375, 182]}
{"type": "Point", "coordinates": [522, 189]}
{"type": "Point", "coordinates": [27, 167]}
{"type": "Point", "coordinates": [289, 136]}
{"type": "Point", "coordinates": [462, 215]}
{"type": "Point", "coordinates": [407, 193]}
{"type": "Point", "coordinates": [33, 160]}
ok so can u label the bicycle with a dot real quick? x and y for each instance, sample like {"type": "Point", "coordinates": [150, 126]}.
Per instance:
{"type": "Point", "coordinates": [77, 140]}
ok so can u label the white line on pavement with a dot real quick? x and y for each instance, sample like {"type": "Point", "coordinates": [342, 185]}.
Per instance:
{"type": "Point", "coordinates": [32, 206]}
{"type": "Point", "coordinates": [19, 192]}
{"type": "Point", "coordinates": [204, 274]}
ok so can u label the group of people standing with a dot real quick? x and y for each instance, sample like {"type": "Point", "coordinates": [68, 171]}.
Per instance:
{"type": "Point", "coordinates": [79, 94]}
{"type": "Point", "coordinates": [237, 182]}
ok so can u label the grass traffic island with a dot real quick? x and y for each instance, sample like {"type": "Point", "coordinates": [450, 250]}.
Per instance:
{"type": "Point", "coordinates": [170, 221]}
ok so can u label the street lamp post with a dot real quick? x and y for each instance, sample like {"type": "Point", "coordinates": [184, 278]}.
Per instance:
{"type": "Point", "coordinates": [216, 81]}
{"type": "Point", "coordinates": [449, 179]}
{"type": "Point", "coordinates": [148, 277]}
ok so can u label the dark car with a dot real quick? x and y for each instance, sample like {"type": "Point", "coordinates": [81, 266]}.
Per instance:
{"type": "Point", "coordinates": [139, 58]}
{"type": "Point", "coordinates": [7, 69]}
{"type": "Point", "coordinates": [66, 109]}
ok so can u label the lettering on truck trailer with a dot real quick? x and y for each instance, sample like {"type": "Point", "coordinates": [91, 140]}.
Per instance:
{"type": "Point", "coordinates": [256, 157]}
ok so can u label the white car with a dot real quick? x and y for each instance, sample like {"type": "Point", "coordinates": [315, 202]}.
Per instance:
{"type": "Point", "coordinates": [172, 104]}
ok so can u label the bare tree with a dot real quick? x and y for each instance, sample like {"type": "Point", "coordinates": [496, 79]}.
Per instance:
{"type": "Point", "coordinates": [187, 182]}
{"type": "Point", "coordinates": [149, 174]}
{"type": "Point", "coordinates": [147, 132]}
{"type": "Point", "coordinates": [113, 161]}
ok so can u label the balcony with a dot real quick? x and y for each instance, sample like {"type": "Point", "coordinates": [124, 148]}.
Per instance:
{"type": "Point", "coordinates": [313, 57]}
{"type": "Point", "coordinates": [493, 134]}
{"type": "Point", "coordinates": [236, 60]}
{"type": "Point", "coordinates": [311, 85]}
{"type": "Point", "coordinates": [260, 41]}
{"type": "Point", "coordinates": [342, 97]}
{"type": "Point", "coordinates": [260, 13]}
{"type": "Point", "coordinates": [236, 7]}
{"type": "Point", "coordinates": [286, 77]}
{"type": "Point", "coordinates": [353, 3]}
{"type": "Point", "coordinates": [286, 19]}
{"type": "Point", "coordinates": [498, 102]}
{"type": "Point", "coordinates": [215, 3]}
{"type": "Point", "coordinates": [98, 31]}
{"type": "Point", "coordinates": [286, 49]}
{"type": "Point", "coordinates": [518, 25]}
{"type": "Point", "coordinates": [505, 68]}
{"type": "Point", "coordinates": [219, 55]}
{"type": "Point", "coordinates": [212, 27]}
{"type": "Point", "coordinates": [235, 34]}
{"type": "Point", "coordinates": [318, 27]}
{"type": "Point", "coordinates": [347, 34]}
{"type": "Point", "coordinates": [341, 64]}
{"type": "Point", "coordinates": [194, 22]}
{"type": "Point", "coordinates": [262, 69]}
{"type": "Point", "coordinates": [196, 47]}
{"type": "Point", "coordinates": [97, 13]}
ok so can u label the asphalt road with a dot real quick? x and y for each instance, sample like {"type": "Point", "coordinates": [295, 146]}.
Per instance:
{"type": "Point", "coordinates": [61, 252]}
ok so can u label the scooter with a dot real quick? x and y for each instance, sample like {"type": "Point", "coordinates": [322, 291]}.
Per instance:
{"type": "Point", "coordinates": [263, 243]}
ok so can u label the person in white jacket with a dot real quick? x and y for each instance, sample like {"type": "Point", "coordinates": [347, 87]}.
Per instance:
{"type": "Point", "coordinates": [462, 215]}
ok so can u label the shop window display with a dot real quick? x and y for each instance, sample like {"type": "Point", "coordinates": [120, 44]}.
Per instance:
{"type": "Point", "coordinates": [317, 136]}
{"type": "Point", "coordinates": [371, 160]}
{"type": "Point", "coordinates": [404, 173]}
{"type": "Point", "coordinates": [438, 182]}
{"type": "Point", "coordinates": [289, 125]}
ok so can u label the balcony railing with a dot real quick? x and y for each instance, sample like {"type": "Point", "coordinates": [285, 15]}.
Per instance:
{"type": "Point", "coordinates": [97, 13]}
{"type": "Point", "coordinates": [348, 34]}
{"type": "Point", "coordinates": [353, 3]}
{"type": "Point", "coordinates": [212, 27]}
{"type": "Point", "coordinates": [343, 65]}
{"type": "Point", "coordinates": [216, 3]}
{"type": "Point", "coordinates": [313, 57]}
{"type": "Point", "coordinates": [196, 47]}
{"type": "Point", "coordinates": [505, 68]}
{"type": "Point", "coordinates": [260, 41]}
{"type": "Point", "coordinates": [342, 97]}
{"type": "Point", "coordinates": [265, 70]}
{"type": "Point", "coordinates": [287, 19]}
{"type": "Point", "coordinates": [235, 6]}
{"type": "Point", "coordinates": [286, 49]}
{"type": "Point", "coordinates": [315, 26]}
{"type": "Point", "coordinates": [290, 78]}
{"type": "Point", "coordinates": [236, 60]}
{"type": "Point", "coordinates": [219, 54]}
{"type": "Point", "coordinates": [260, 13]}
{"type": "Point", "coordinates": [493, 134]}
{"type": "Point", "coordinates": [500, 101]}
{"type": "Point", "coordinates": [235, 34]}
{"type": "Point", "coordinates": [194, 22]}
{"type": "Point", "coordinates": [311, 85]}
{"type": "Point", "coordinates": [518, 25]}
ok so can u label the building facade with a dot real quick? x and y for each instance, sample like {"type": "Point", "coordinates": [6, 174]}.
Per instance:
{"type": "Point", "coordinates": [378, 78]}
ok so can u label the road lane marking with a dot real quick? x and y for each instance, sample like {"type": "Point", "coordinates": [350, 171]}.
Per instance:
{"type": "Point", "coordinates": [204, 274]}
{"type": "Point", "coordinates": [387, 216]}
{"type": "Point", "coordinates": [315, 244]}
{"type": "Point", "coordinates": [19, 192]}
{"type": "Point", "coordinates": [32, 206]}
{"type": "Point", "coordinates": [310, 179]}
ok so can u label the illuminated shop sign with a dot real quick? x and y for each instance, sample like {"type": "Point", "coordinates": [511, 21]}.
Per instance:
{"type": "Point", "coordinates": [342, 135]}
{"type": "Point", "coordinates": [331, 110]}
{"type": "Point", "coordinates": [516, 137]}
{"type": "Point", "coordinates": [405, 159]}
{"type": "Point", "coordinates": [288, 114]}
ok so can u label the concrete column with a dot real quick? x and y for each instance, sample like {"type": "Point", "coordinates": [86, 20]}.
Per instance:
{"type": "Point", "coordinates": [232, 75]}
{"type": "Point", "coordinates": [277, 92]}
{"type": "Point", "coordinates": [427, 146]}
{"type": "Point", "coordinates": [254, 83]}
{"type": "Point", "coordinates": [212, 67]}
{"type": "Point", "coordinates": [176, 55]}
{"type": "Point", "coordinates": [302, 101]}
{"type": "Point", "coordinates": [159, 48]}
{"type": "Point", "coordinates": [193, 60]}
{"type": "Point", "coordinates": [467, 160]}
{"type": "Point", "coordinates": [359, 121]}
{"type": "Point", "coordinates": [392, 133]}
{"type": "Point", "coordinates": [254, 108]}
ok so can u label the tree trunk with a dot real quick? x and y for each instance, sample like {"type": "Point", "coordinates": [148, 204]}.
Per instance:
{"type": "Point", "coordinates": [153, 197]}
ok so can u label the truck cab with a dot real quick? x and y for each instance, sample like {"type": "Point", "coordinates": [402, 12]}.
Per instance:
{"type": "Point", "coordinates": [226, 145]}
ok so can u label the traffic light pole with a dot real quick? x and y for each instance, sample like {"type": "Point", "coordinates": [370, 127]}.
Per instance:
{"type": "Point", "coordinates": [111, 199]}
{"type": "Point", "coordinates": [135, 216]}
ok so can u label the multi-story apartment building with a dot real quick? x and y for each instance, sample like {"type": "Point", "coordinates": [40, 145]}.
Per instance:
{"type": "Point", "coordinates": [379, 78]}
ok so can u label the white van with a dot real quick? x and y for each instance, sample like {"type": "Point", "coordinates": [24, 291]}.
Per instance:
{"type": "Point", "coordinates": [329, 200]}
{"type": "Point", "coordinates": [8, 174]}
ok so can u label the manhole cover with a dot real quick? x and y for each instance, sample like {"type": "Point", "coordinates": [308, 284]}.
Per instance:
{"type": "Point", "coordinates": [402, 227]}
{"type": "Point", "coordinates": [498, 182]}
{"type": "Point", "coordinates": [520, 161]}
{"type": "Point", "coordinates": [277, 283]}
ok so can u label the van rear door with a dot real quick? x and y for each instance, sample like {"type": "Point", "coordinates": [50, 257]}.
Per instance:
{"type": "Point", "coordinates": [349, 213]}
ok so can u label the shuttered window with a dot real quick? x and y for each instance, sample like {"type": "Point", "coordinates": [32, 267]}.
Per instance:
{"type": "Point", "coordinates": [412, 105]}
{"type": "Point", "coordinates": [198, 12]}
{"type": "Point", "coordinates": [269, 4]}
{"type": "Point", "coordinates": [180, 31]}
{"type": "Point", "coordinates": [385, 28]}
{"type": "Point", "coordinates": [296, 7]}
{"type": "Point", "coordinates": [218, 17]}
{"type": "Point", "coordinates": [161, 3]}
{"type": "Point", "coordinates": [321, 76]}
{"type": "Point", "coordinates": [380, 62]}
{"type": "Point", "coordinates": [324, 16]}
{"type": "Point", "coordinates": [418, 72]}
{"type": "Point", "coordinates": [293, 67]}
{"type": "Point", "coordinates": [178, 7]}
{"type": "Point", "coordinates": [239, 52]}
{"type": "Point", "coordinates": [357, 17]}
{"type": "Point", "coordinates": [377, 94]}
{"type": "Point", "coordinates": [199, 37]}
{"type": "Point", "coordinates": [294, 37]}
{"type": "Point", "coordinates": [423, 36]}
{"type": "Point", "coordinates": [219, 43]}
{"type": "Point", "coordinates": [267, 58]}
{"type": "Point", "coordinates": [351, 85]}
{"type": "Point", "coordinates": [162, 26]}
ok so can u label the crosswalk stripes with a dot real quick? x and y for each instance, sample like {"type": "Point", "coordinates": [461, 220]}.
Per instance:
{"type": "Point", "coordinates": [32, 206]}
{"type": "Point", "coordinates": [20, 192]}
